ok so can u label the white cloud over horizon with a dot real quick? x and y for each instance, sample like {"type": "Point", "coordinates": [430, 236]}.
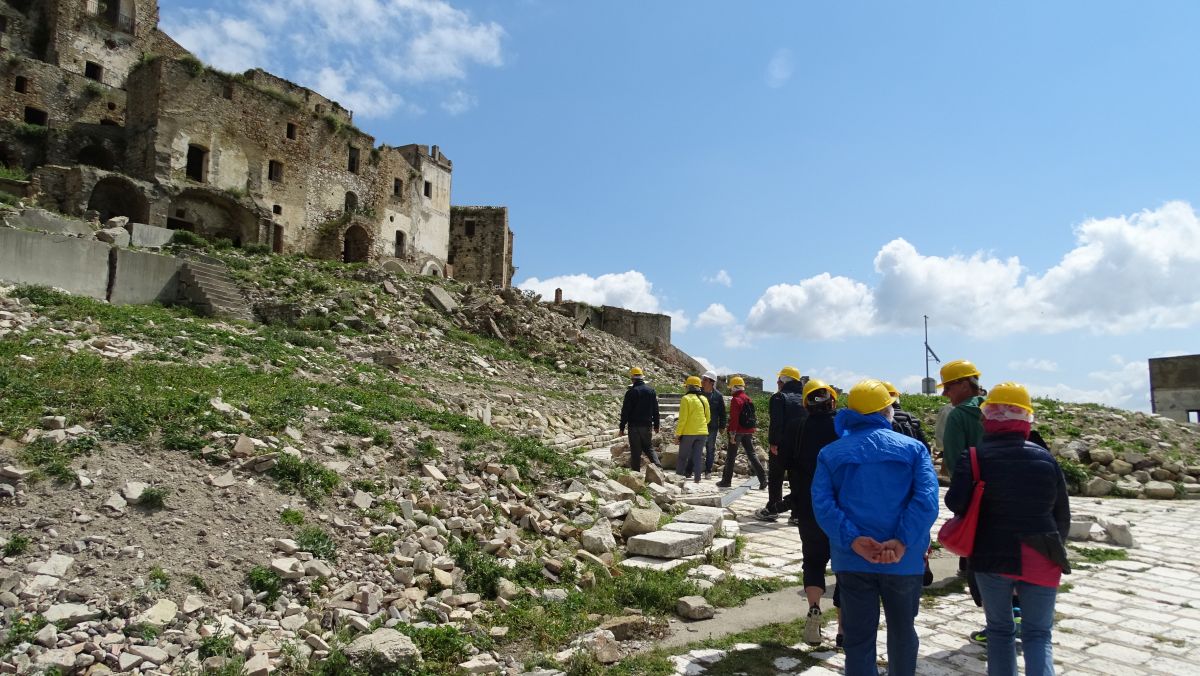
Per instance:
{"type": "Point", "coordinates": [630, 290]}
{"type": "Point", "coordinates": [1124, 274]}
{"type": "Point", "coordinates": [779, 68]}
{"type": "Point", "coordinates": [357, 52]}
{"type": "Point", "coordinates": [722, 277]}
{"type": "Point", "coordinates": [719, 370]}
{"type": "Point", "coordinates": [1033, 364]}
{"type": "Point", "coordinates": [715, 315]}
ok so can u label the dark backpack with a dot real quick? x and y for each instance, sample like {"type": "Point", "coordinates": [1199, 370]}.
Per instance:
{"type": "Point", "coordinates": [747, 417]}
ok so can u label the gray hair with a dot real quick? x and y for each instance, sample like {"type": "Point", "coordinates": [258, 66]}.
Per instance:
{"type": "Point", "coordinates": [786, 379]}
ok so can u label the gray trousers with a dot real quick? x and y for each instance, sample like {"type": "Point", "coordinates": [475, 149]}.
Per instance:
{"type": "Point", "coordinates": [691, 453]}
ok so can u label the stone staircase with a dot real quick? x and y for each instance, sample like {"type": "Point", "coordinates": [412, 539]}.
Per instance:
{"type": "Point", "coordinates": [691, 536]}
{"type": "Point", "coordinates": [208, 288]}
{"type": "Point", "coordinates": [668, 404]}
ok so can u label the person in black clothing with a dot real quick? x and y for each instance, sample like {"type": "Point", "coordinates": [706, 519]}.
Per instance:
{"type": "Point", "coordinates": [716, 424]}
{"type": "Point", "coordinates": [788, 414]}
{"type": "Point", "coordinates": [820, 401]}
{"type": "Point", "coordinates": [639, 413]}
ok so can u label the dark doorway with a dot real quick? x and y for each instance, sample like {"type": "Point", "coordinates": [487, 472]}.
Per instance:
{"type": "Point", "coordinates": [400, 237]}
{"type": "Point", "coordinates": [97, 156]}
{"type": "Point", "coordinates": [351, 203]}
{"type": "Point", "coordinates": [197, 163]}
{"type": "Point", "coordinates": [118, 197]}
{"type": "Point", "coordinates": [356, 245]}
{"type": "Point", "coordinates": [277, 239]}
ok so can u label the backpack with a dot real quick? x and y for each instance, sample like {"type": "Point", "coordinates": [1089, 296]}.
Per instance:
{"type": "Point", "coordinates": [747, 417]}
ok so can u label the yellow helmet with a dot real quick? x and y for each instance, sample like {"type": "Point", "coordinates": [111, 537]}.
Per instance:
{"type": "Point", "coordinates": [869, 396]}
{"type": "Point", "coordinates": [1013, 394]}
{"type": "Point", "coordinates": [814, 385]}
{"type": "Point", "coordinates": [737, 381]}
{"type": "Point", "coordinates": [891, 389]}
{"type": "Point", "coordinates": [635, 371]}
{"type": "Point", "coordinates": [693, 381]}
{"type": "Point", "coordinates": [957, 370]}
{"type": "Point", "coordinates": [791, 372]}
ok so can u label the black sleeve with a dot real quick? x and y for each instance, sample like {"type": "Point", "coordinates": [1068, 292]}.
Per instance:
{"type": "Point", "coordinates": [723, 419]}
{"type": "Point", "coordinates": [962, 486]}
{"type": "Point", "coordinates": [626, 408]}
{"type": "Point", "coordinates": [775, 408]}
{"type": "Point", "coordinates": [1062, 506]}
{"type": "Point", "coordinates": [654, 405]}
{"type": "Point", "coordinates": [919, 434]}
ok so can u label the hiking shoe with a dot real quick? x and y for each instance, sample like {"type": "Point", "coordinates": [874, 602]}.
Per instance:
{"type": "Point", "coordinates": [724, 484]}
{"type": "Point", "coordinates": [978, 637]}
{"type": "Point", "coordinates": [765, 515]}
{"type": "Point", "coordinates": [762, 485]}
{"type": "Point", "coordinates": [793, 521]}
{"type": "Point", "coordinates": [708, 475]}
{"type": "Point", "coordinates": [838, 640]}
{"type": "Point", "coordinates": [812, 626]}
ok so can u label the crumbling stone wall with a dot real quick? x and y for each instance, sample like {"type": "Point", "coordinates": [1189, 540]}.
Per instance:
{"type": "Point", "coordinates": [481, 245]}
{"type": "Point", "coordinates": [1175, 387]}
{"type": "Point", "coordinates": [644, 329]}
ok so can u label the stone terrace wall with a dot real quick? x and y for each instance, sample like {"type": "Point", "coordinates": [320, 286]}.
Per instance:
{"type": "Point", "coordinates": [481, 245]}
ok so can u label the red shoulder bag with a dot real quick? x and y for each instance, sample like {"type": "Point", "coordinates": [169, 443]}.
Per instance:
{"type": "Point", "coordinates": [958, 534]}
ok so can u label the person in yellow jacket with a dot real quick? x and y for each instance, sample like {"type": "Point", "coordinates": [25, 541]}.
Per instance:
{"type": "Point", "coordinates": [692, 429]}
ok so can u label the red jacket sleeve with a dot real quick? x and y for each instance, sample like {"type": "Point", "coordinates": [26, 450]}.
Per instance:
{"type": "Point", "coordinates": [735, 409]}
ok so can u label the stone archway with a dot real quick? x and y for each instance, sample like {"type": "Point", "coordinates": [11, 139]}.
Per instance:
{"type": "Point", "coordinates": [97, 156]}
{"type": "Point", "coordinates": [213, 216]}
{"type": "Point", "coordinates": [356, 244]}
{"type": "Point", "coordinates": [114, 196]}
{"type": "Point", "coordinates": [431, 269]}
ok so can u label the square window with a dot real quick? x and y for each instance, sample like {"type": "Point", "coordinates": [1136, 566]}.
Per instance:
{"type": "Point", "coordinates": [36, 116]}
{"type": "Point", "coordinates": [291, 131]}
{"type": "Point", "coordinates": [470, 228]}
{"type": "Point", "coordinates": [227, 91]}
{"type": "Point", "coordinates": [277, 210]}
{"type": "Point", "coordinates": [428, 189]}
{"type": "Point", "coordinates": [352, 161]}
{"type": "Point", "coordinates": [397, 187]}
{"type": "Point", "coordinates": [20, 85]}
{"type": "Point", "coordinates": [93, 71]}
{"type": "Point", "coordinates": [275, 170]}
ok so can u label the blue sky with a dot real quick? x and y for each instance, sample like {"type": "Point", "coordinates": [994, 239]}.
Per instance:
{"type": "Point", "coordinates": [1023, 174]}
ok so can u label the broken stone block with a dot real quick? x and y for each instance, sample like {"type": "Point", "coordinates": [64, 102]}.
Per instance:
{"type": "Point", "coordinates": [703, 530]}
{"type": "Point", "coordinates": [440, 299]}
{"type": "Point", "coordinates": [665, 545]}
{"type": "Point", "coordinates": [711, 516]}
{"type": "Point", "coordinates": [694, 608]}
{"type": "Point", "coordinates": [114, 236]}
{"type": "Point", "coordinates": [639, 521]}
{"type": "Point", "coordinates": [362, 500]}
{"type": "Point", "coordinates": [615, 510]}
{"type": "Point", "coordinates": [1117, 531]}
{"type": "Point", "coordinates": [225, 480]}
{"type": "Point", "coordinates": [599, 538]}
{"type": "Point", "coordinates": [433, 473]}
{"type": "Point", "coordinates": [1160, 490]}
{"type": "Point", "coordinates": [70, 614]}
{"type": "Point", "coordinates": [159, 614]}
{"type": "Point", "coordinates": [1097, 487]}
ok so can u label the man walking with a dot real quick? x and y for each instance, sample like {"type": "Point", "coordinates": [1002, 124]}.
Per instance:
{"type": "Point", "coordinates": [639, 413]}
{"type": "Point", "coordinates": [875, 495]}
{"type": "Point", "coordinates": [716, 424]}
{"type": "Point", "coordinates": [788, 414]}
{"type": "Point", "coordinates": [964, 426]}
{"type": "Point", "coordinates": [742, 423]}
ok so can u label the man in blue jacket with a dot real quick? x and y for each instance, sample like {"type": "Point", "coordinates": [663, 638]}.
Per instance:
{"type": "Point", "coordinates": [875, 494]}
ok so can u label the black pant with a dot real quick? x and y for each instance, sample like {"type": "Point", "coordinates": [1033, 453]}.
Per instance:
{"type": "Point", "coordinates": [746, 441]}
{"type": "Point", "coordinates": [777, 471]}
{"type": "Point", "coordinates": [815, 546]}
{"type": "Point", "coordinates": [641, 441]}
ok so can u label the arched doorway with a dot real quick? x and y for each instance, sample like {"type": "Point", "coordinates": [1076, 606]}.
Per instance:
{"type": "Point", "coordinates": [115, 196]}
{"type": "Point", "coordinates": [97, 156]}
{"type": "Point", "coordinates": [213, 216]}
{"type": "Point", "coordinates": [431, 269]}
{"type": "Point", "coordinates": [356, 244]}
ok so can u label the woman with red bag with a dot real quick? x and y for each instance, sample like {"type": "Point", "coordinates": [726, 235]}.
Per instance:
{"type": "Point", "coordinates": [1024, 518]}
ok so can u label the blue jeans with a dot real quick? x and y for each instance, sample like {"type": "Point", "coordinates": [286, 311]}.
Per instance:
{"type": "Point", "coordinates": [710, 451]}
{"type": "Point", "coordinates": [1037, 619]}
{"type": "Point", "coordinates": [861, 594]}
{"type": "Point", "coordinates": [691, 449]}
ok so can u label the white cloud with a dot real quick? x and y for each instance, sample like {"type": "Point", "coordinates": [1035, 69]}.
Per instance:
{"type": "Point", "coordinates": [1125, 385]}
{"type": "Point", "coordinates": [630, 290]}
{"type": "Point", "coordinates": [715, 315]}
{"type": "Point", "coordinates": [1032, 364]}
{"type": "Point", "coordinates": [779, 68]}
{"type": "Point", "coordinates": [719, 370]}
{"type": "Point", "coordinates": [358, 52]}
{"type": "Point", "coordinates": [458, 102]}
{"type": "Point", "coordinates": [722, 277]}
{"type": "Point", "coordinates": [1124, 274]}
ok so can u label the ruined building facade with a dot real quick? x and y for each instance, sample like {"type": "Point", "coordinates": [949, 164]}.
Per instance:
{"type": "Point", "coordinates": [109, 115]}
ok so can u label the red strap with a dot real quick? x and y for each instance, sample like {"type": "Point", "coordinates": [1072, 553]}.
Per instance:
{"type": "Point", "coordinates": [974, 466]}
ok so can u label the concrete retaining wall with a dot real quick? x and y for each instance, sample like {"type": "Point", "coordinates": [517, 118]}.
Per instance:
{"type": "Point", "coordinates": [78, 266]}
{"type": "Point", "coordinates": [141, 278]}
{"type": "Point", "coordinates": [149, 235]}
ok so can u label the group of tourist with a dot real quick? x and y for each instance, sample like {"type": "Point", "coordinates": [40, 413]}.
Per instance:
{"type": "Point", "coordinates": [864, 496]}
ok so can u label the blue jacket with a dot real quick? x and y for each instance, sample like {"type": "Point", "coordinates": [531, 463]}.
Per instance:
{"type": "Point", "coordinates": [878, 483]}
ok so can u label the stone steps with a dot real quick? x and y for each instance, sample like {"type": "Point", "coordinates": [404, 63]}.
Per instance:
{"type": "Point", "coordinates": [692, 536]}
{"type": "Point", "coordinates": [210, 290]}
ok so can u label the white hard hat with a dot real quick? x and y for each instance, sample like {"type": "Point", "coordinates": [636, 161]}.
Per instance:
{"type": "Point", "coordinates": [710, 375]}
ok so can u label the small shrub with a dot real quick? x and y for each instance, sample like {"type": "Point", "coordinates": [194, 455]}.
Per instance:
{"type": "Point", "coordinates": [14, 173]}
{"type": "Point", "coordinates": [194, 66]}
{"type": "Point", "coordinates": [264, 580]}
{"type": "Point", "coordinates": [1101, 554]}
{"type": "Point", "coordinates": [382, 544]}
{"type": "Point", "coordinates": [159, 580]}
{"type": "Point", "coordinates": [1075, 474]}
{"type": "Point", "coordinates": [154, 497]}
{"type": "Point", "coordinates": [308, 478]}
{"type": "Point", "coordinates": [222, 243]}
{"type": "Point", "coordinates": [182, 441]}
{"type": "Point", "coordinates": [198, 583]}
{"type": "Point", "coordinates": [17, 544]}
{"type": "Point", "coordinates": [315, 540]}
{"type": "Point", "coordinates": [217, 645]}
{"type": "Point", "coordinates": [256, 249]}
{"type": "Point", "coordinates": [22, 631]}
{"type": "Point", "coordinates": [292, 517]}
{"type": "Point", "coordinates": [185, 238]}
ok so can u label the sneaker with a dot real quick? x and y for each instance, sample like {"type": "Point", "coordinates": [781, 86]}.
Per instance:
{"type": "Point", "coordinates": [979, 637]}
{"type": "Point", "coordinates": [762, 485]}
{"type": "Point", "coordinates": [765, 515]}
{"type": "Point", "coordinates": [708, 475]}
{"type": "Point", "coordinates": [838, 640]}
{"type": "Point", "coordinates": [793, 521]}
{"type": "Point", "coordinates": [812, 626]}
{"type": "Point", "coordinates": [724, 484]}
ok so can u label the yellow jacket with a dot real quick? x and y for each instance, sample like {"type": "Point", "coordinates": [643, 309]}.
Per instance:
{"type": "Point", "coordinates": [693, 415]}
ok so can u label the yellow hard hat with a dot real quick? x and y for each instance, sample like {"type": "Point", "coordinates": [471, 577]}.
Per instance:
{"type": "Point", "coordinates": [737, 381]}
{"type": "Point", "coordinates": [891, 389]}
{"type": "Point", "coordinates": [693, 381]}
{"type": "Point", "coordinates": [635, 371]}
{"type": "Point", "coordinates": [957, 370]}
{"type": "Point", "coordinates": [791, 372]}
{"type": "Point", "coordinates": [869, 396]}
{"type": "Point", "coordinates": [1013, 394]}
{"type": "Point", "coordinates": [814, 385]}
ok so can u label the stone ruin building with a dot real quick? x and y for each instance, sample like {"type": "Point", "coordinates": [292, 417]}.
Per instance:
{"type": "Point", "coordinates": [1175, 387]}
{"type": "Point", "coordinates": [111, 117]}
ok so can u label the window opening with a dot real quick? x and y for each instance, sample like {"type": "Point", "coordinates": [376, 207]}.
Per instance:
{"type": "Point", "coordinates": [275, 170]}
{"type": "Point", "coordinates": [93, 71]}
{"type": "Point", "coordinates": [227, 91]}
{"type": "Point", "coordinates": [351, 203]}
{"type": "Point", "coordinates": [277, 210]}
{"type": "Point", "coordinates": [20, 84]}
{"type": "Point", "coordinates": [470, 228]}
{"type": "Point", "coordinates": [428, 189]}
{"type": "Point", "coordinates": [197, 164]}
{"type": "Point", "coordinates": [397, 187]}
{"type": "Point", "coordinates": [36, 116]}
{"type": "Point", "coordinates": [291, 131]}
{"type": "Point", "coordinates": [400, 237]}
{"type": "Point", "coordinates": [352, 162]}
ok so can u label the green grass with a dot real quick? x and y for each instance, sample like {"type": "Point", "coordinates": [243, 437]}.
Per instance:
{"type": "Point", "coordinates": [154, 497]}
{"type": "Point", "coordinates": [22, 630]}
{"type": "Point", "coordinates": [13, 173]}
{"type": "Point", "coordinates": [292, 517]}
{"type": "Point", "coordinates": [316, 541]}
{"type": "Point", "coordinates": [262, 579]}
{"type": "Point", "coordinates": [309, 478]}
{"type": "Point", "coordinates": [159, 579]}
{"type": "Point", "coordinates": [1100, 554]}
{"type": "Point", "coordinates": [55, 460]}
{"type": "Point", "coordinates": [17, 545]}
{"type": "Point", "coordinates": [196, 582]}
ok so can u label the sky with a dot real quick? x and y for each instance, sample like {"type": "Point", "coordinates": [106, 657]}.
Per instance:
{"type": "Point", "coordinates": [802, 183]}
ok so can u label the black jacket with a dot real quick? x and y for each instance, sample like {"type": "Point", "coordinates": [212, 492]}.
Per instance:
{"type": "Point", "coordinates": [817, 433]}
{"type": "Point", "coordinates": [716, 406]}
{"type": "Point", "coordinates": [907, 424]}
{"type": "Point", "coordinates": [1024, 501]}
{"type": "Point", "coordinates": [786, 408]}
{"type": "Point", "coordinates": [640, 407]}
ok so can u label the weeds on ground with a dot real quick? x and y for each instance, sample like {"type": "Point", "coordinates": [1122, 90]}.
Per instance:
{"type": "Point", "coordinates": [264, 580]}
{"type": "Point", "coordinates": [315, 540]}
{"type": "Point", "coordinates": [1101, 554]}
{"type": "Point", "coordinates": [154, 497]}
{"type": "Point", "coordinates": [17, 545]}
{"type": "Point", "coordinates": [291, 517]}
{"type": "Point", "coordinates": [159, 579]}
